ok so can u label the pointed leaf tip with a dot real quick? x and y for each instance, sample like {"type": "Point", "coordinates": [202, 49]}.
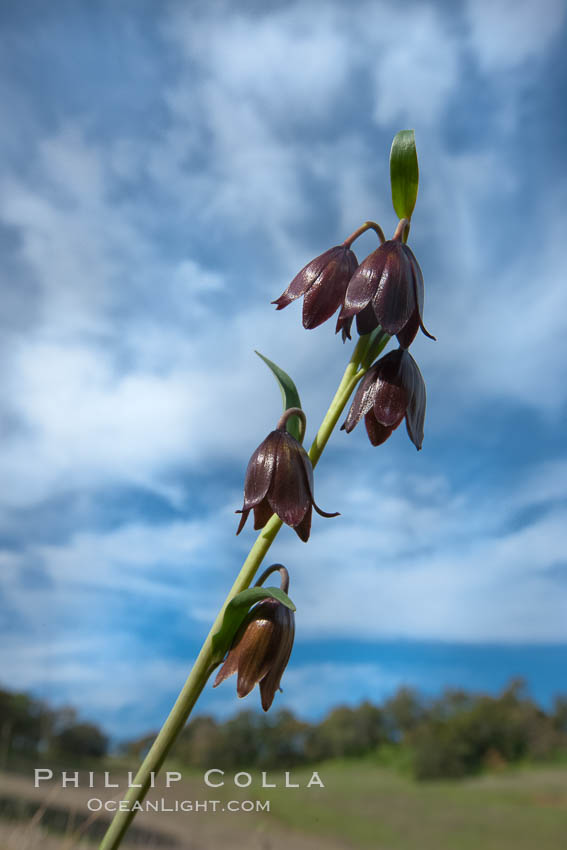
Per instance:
{"type": "Point", "coordinates": [290, 395]}
{"type": "Point", "coordinates": [404, 173]}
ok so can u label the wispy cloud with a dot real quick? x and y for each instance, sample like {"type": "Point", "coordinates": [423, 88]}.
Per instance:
{"type": "Point", "coordinates": [145, 228]}
{"type": "Point", "coordinates": [506, 34]}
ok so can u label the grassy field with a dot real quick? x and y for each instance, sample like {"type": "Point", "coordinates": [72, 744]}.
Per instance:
{"type": "Point", "coordinates": [363, 805]}
{"type": "Point", "coordinates": [370, 807]}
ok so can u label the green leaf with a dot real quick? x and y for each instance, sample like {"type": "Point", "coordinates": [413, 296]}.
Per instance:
{"type": "Point", "coordinates": [290, 396]}
{"type": "Point", "coordinates": [378, 341]}
{"type": "Point", "coordinates": [404, 173]}
{"type": "Point", "coordinates": [236, 611]}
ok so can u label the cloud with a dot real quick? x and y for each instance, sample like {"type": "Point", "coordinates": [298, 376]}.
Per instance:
{"type": "Point", "coordinates": [86, 425]}
{"type": "Point", "coordinates": [507, 33]}
{"type": "Point", "coordinates": [272, 100]}
{"type": "Point", "coordinates": [97, 270]}
{"type": "Point", "coordinates": [416, 64]}
{"type": "Point", "coordinates": [269, 56]}
{"type": "Point", "coordinates": [423, 562]}
{"type": "Point", "coordinates": [79, 672]}
{"type": "Point", "coordinates": [502, 322]}
{"type": "Point", "coordinates": [139, 257]}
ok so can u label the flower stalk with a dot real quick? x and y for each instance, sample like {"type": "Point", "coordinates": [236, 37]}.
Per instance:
{"type": "Point", "coordinates": [385, 295]}
{"type": "Point", "coordinates": [368, 225]}
{"type": "Point", "coordinates": [205, 663]}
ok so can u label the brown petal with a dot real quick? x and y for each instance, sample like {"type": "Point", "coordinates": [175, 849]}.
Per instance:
{"type": "Point", "coordinates": [285, 634]}
{"type": "Point", "coordinates": [243, 519]}
{"type": "Point", "coordinates": [327, 293]}
{"type": "Point", "coordinates": [390, 403]}
{"type": "Point", "coordinates": [229, 667]}
{"type": "Point", "coordinates": [305, 278]}
{"type": "Point", "coordinates": [417, 279]}
{"type": "Point", "coordinates": [377, 432]}
{"type": "Point", "coordinates": [344, 326]}
{"type": "Point", "coordinates": [366, 320]}
{"type": "Point", "coordinates": [289, 493]}
{"type": "Point", "coordinates": [363, 283]}
{"type": "Point", "coordinates": [362, 401]}
{"type": "Point", "coordinates": [408, 333]}
{"type": "Point", "coordinates": [320, 302]}
{"type": "Point", "coordinates": [390, 396]}
{"type": "Point", "coordinates": [418, 289]}
{"type": "Point", "coordinates": [262, 513]}
{"type": "Point", "coordinates": [394, 299]}
{"type": "Point", "coordinates": [260, 470]}
{"type": "Point", "coordinates": [303, 529]}
{"type": "Point", "coordinates": [250, 672]}
{"type": "Point", "coordinates": [413, 382]}
{"type": "Point", "coordinates": [256, 646]}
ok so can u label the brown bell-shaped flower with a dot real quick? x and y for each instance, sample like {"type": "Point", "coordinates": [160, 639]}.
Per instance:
{"type": "Point", "coordinates": [323, 284]}
{"type": "Point", "coordinates": [391, 389]}
{"type": "Point", "coordinates": [387, 290]}
{"type": "Point", "coordinates": [262, 647]}
{"type": "Point", "coordinates": [279, 479]}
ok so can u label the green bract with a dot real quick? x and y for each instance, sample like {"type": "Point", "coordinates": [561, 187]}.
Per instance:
{"type": "Point", "coordinates": [404, 173]}
{"type": "Point", "coordinates": [236, 611]}
{"type": "Point", "coordinates": [290, 396]}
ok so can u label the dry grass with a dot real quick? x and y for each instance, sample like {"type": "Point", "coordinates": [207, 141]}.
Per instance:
{"type": "Point", "coordinates": [362, 806]}
{"type": "Point", "coordinates": [179, 830]}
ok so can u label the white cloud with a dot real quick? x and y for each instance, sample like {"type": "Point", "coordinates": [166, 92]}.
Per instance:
{"type": "Point", "coordinates": [73, 239]}
{"type": "Point", "coordinates": [500, 315]}
{"type": "Point", "coordinates": [290, 63]}
{"type": "Point", "coordinates": [103, 400]}
{"type": "Point", "coordinates": [254, 86]}
{"type": "Point", "coordinates": [547, 482]}
{"type": "Point", "coordinates": [189, 402]}
{"type": "Point", "coordinates": [137, 360]}
{"type": "Point", "coordinates": [506, 33]}
{"type": "Point", "coordinates": [81, 673]}
{"type": "Point", "coordinates": [439, 566]}
{"type": "Point", "coordinates": [415, 62]}
{"type": "Point", "coordinates": [59, 671]}
{"type": "Point", "coordinates": [419, 562]}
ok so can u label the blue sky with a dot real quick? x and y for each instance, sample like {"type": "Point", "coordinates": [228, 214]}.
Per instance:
{"type": "Point", "coordinates": [165, 170]}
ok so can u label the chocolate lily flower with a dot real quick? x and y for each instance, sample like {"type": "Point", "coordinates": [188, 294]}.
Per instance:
{"type": "Point", "coordinates": [262, 646]}
{"type": "Point", "coordinates": [279, 479]}
{"type": "Point", "coordinates": [391, 389]}
{"type": "Point", "coordinates": [386, 290]}
{"type": "Point", "coordinates": [323, 284]}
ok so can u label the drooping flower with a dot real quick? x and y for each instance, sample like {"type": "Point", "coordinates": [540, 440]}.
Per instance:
{"type": "Point", "coordinates": [391, 389]}
{"type": "Point", "coordinates": [262, 646]}
{"type": "Point", "coordinates": [323, 284]}
{"type": "Point", "coordinates": [387, 290]}
{"type": "Point", "coordinates": [279, 479]}
{"type": "Point", "coordinates": [261, 650]}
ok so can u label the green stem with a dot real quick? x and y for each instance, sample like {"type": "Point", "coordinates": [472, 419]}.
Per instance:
{"type": "Point", "coordinates": [204, 665]}
{"type": "Point", "coordinates": [348, 382]}
{"type": "Point", "coordinates": [402, 230]}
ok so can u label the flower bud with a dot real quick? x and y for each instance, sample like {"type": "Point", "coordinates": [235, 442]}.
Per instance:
{"type": "Point", "coordinates": [323, 284]}
{"type": "Point", "coordinates": [279, 479]}
{"type": "Point", "coordinates": [391, 389]}
{"type": "Point", "coordinates": [387, 290]}
{"type": "Point", "coordinates": [261, 648]}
